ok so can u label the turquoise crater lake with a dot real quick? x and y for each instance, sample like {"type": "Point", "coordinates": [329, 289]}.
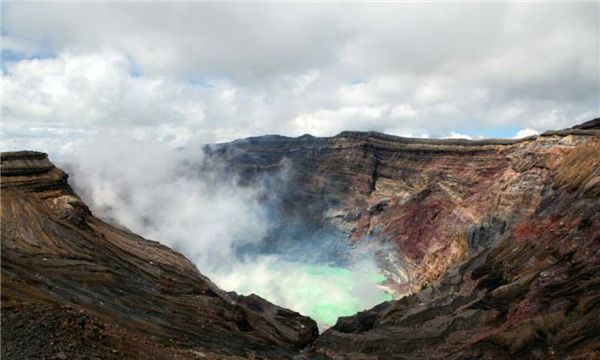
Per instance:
{"type": "Point", "coordinates": [320, 291]}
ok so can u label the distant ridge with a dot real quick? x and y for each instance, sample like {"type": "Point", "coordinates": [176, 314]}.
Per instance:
{"type": "Point", "coordinates": [591, 124]}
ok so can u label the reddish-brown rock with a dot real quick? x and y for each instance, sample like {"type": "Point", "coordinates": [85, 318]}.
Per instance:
{"type": "Point", "coordinates": [497, 239]}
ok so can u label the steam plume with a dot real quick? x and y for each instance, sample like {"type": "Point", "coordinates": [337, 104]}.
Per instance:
{"type": "Point", "coordinates": [178, 197]}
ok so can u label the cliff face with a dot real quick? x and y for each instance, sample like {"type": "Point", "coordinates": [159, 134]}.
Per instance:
{"type": "Point", "coordinates": [76, 287]}
{"type": "Point", "coordinates": [533, 293]}
{"type": "Point", "coordinates": [499, 239]}
{"type": "Point", "coordinates": [434, 202]}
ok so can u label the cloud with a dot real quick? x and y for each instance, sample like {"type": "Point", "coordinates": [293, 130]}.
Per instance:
{"type": "Point", "coordinates": [455, 135]}
{"type": "Point", "coordinates": [187, 39]}
{"type": "Point", "coordinates": [70, 97]}
{"type": "Point", "coordinates": [525, 133]}
{"type": "Point", "coordinates": [204, 72]}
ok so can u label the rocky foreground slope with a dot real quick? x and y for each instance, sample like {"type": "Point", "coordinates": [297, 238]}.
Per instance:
{"type": "Point", "coordinates": [75, 287]}
{"type": "Point", "coordinates": [496, 244]}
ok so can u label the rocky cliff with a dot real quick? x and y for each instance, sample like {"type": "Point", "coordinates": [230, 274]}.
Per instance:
{"type": "Point", "coordinates": [531, 291]}
{"type": "Point", "coordinates": [491, 248]}
{"type": "Point", "coordinates": [434, 202]}
{"type": "Point", "coordinates": [498, 240]}
{"type": "Point", "coordinates": [75, 287]}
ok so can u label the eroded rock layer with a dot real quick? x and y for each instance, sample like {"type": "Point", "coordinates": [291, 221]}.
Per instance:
{"type": "Point", "coordinates": [432, 201]}
{"type": "Point", "coordinates": [498, 240]}
{"type": "Point", "coordinates": [535, 294]}
{"type": "Point", "coordinates": [76, 287]}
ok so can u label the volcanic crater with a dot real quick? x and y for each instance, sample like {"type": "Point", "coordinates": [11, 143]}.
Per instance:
{"type": "Point", "coordinates": [486, 249]}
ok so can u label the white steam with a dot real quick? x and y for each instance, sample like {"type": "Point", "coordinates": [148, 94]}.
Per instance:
{"type": "Point", "coordinates": [162, 194]}
{"type": "Point", "coordinates": [157, 192]}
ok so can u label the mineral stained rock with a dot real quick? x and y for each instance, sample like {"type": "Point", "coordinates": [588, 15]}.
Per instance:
{"type": "Point", "coordinates": [496, 240]}
{"type": "Point", "coordinates": [492, 248]}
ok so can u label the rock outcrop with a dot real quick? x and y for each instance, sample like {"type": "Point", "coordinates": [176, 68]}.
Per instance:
{"type": "Point", "coordinates": [534, 294]}
{"type": "Point", "coordinates": [497, 240]}
{"type": "Point", "coordinates": [592, 124]}
{"type": "Point", "coordinates": [434, 201]}
{"type": "Point", "coordinates": [76, 287]}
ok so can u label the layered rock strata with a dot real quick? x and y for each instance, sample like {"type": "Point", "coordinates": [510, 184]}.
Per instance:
{"type": "Point", "coordinates": [498, 241]}
{"type": "Point", "coordinates": [74, 286]}
{"type": "Point", "coordinates": [427, 203]}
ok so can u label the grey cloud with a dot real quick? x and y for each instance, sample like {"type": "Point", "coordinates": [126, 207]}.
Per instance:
{"type": "Point", "coordinates": [207, 72]}
{"type": "Point", "coordinates": [191, 39]}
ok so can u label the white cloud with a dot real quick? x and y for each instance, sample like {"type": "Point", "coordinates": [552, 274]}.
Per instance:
{"type": "Point", "coordinates": [455, 135]}
{"type": "Point", "coordinates": [205, 72]}
{"type": "Point", "coordinates": [525, 133]}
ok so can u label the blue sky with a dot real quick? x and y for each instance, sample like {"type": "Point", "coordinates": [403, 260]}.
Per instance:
{"type": "Point", "coordinates": [193, 73]}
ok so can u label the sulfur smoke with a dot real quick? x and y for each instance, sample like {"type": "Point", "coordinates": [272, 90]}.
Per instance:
{"type": "Point", "coordinates": [178, 197]}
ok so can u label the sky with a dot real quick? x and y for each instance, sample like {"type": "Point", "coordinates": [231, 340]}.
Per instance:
{"type": "Point", "coordinates": [193, 73]}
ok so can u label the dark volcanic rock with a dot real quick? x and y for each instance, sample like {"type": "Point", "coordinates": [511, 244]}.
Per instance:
{"type": "Point", "coordinates": [429, 201]}
{"type": "Point", "coordinates": [497, 240]}
{"type": "Point", "coordinates": [535, 295]}
{"type": "Point", "coordinates": [592, 124]}
{"type": "Point", "coordinates": [75, 287]}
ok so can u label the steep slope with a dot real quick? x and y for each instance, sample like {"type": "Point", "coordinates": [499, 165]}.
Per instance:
{"type": "Point", "coordinates": [533, 294]}
{"type": "Point", "coordinates": [498, 240]}
{"type": "Point", "coordinates": [76, 287]}
{"type": "Point", "coordinates": [427, 203]}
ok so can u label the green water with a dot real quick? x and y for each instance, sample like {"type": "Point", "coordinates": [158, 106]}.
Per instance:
{"type": "Point", "coordinates": [320, 291]}
{"type": "Point", "coordinates": [335, 292]}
